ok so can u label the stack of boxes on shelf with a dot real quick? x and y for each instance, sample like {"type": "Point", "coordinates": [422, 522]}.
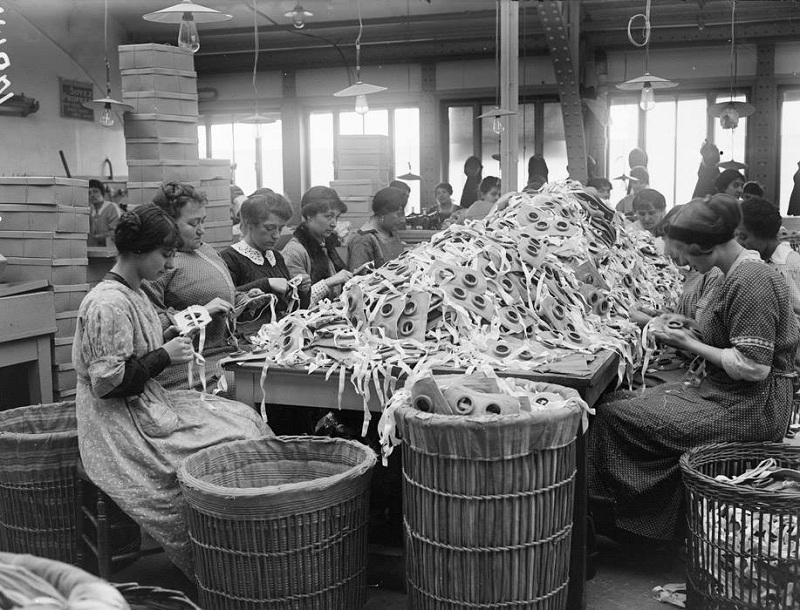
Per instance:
{"type": "Point", "coordinates": [215, 182]}
{"type": "Point", "coordinates": [43, 233]}
{"type": "Point", "coordinates": [160, 83]}
{"type": "Point", "coordinates": [362, 165]}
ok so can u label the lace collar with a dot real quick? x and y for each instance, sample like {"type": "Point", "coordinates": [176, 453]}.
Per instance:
{"type": "Point", "coordinates": [248, 251]}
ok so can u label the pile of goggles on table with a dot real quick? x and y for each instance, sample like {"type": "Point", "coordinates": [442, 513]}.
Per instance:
{"type": "Point", "coordinates": [542, 284]}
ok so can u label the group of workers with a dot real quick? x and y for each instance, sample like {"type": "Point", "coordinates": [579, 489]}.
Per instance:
{"type": "Point", "coordinates": [138, 418]}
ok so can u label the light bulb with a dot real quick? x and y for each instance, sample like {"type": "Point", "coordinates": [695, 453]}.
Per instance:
{"type": "Point", "coordinates": [107, 117]}
{"type": "Point", "coordinates": [298, 20]}
{"type": "Point", "coordinates": [188, 38]}
{"type": "Point", "coordinates": [362, 107]}
{"type": "Point", "coordinates": [648, 99]}
{"type": "Point", "coordinates": [497, 125]}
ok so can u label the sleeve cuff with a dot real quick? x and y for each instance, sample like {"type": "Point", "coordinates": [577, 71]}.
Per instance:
{"type": "Point", "coordinates": [319, 291]}
{"type": "Point", "coordinates": [739, 367]}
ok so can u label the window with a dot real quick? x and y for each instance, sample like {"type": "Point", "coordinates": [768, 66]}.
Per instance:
{"type": "Point", "coordinates": [672, 134]}
{"type": "Point", "coordinates": [237, 142]}
{"type": "Point", "coordinates": [463, 125]}
{"type": "Point", "coordinates": [789, 146]}
{"type": "Point", "coordinates": [401, 125]}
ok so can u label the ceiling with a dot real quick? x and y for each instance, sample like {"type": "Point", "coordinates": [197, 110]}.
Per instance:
{"type": "Point", "coordinates": [421, 30]}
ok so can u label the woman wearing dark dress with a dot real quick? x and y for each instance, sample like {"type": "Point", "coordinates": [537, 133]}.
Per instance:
{"type": "Point", "coordinates": [253, 262]}
{"type": "Point", "coordinates": [748, 335]}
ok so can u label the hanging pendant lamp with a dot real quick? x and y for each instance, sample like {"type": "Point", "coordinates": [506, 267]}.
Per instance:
{"type": "Point", "coordinates": [298, 15]}
{"type": "Point", "coordinates": [188, 14]}
{"type": "Point", "coordinates": [107, 105]}
{"type": "Point", "coordinates": [409, 175]}
{"type": "Point", "coordinates": [360, 89]}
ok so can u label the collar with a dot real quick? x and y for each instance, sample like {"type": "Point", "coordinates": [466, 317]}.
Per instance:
{"type": "Point", "coordinates": [781, 254]}
{"type": "Point", "coordinates": [249, 252]}
{"type": "Point", "coordinates": [744, 255]}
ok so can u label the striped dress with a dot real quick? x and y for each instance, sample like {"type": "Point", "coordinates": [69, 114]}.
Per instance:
{"type": "Point", "coordinates": [196, 278]}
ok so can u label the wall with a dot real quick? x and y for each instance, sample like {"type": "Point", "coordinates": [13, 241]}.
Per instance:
{"type": "Point", "coordinates": [69, 46]}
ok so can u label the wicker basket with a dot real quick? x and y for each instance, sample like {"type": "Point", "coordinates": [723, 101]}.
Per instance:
{"type": "Point", "coordinates": [488, 506]}
{"type": "Point", "coordinates": [279, 523]}
{"type": "Point", "coordinates": [38, 457]}
{"type": "Point", "coordinates": [731, 563]}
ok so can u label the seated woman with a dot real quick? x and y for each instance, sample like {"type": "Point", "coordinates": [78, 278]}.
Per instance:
{"type": "Point", "coordinates": [198, 276]}
{"type": "Point", "coordinates": [444, 201]}
{"type": "Point", "coordinates": [253, 263]}
{"type": "Point", "coordinates": [312, 250]}
{"type": "Point", "coordinates": [488, 194]}
{"type": "Point", "coordinates": [648, 207]}
{"type": "Point", "coordinates": [748, 337]}
{"type": "Point", "coordinates": [375, 242]}
{"type": "Point", "coordinates": [132, 433]}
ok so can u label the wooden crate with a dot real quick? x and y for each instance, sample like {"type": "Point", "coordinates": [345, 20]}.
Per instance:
{"type": "Point", "coordinates": [65, 377]}
{"type": "Point", "coordinates": [41, 217]}
{"type": "Point", "coordinates": [42, 244]}
{"type": "Point", "coordinates": [162, 170]}
{"type": "Point", "coordinates": [61, 350]}
{"type": "Point", "coordinates": [375, 143]}
{"type": "Point", "coordinates": [162, 148]}
{"type": "Point", "coordinates": [159, 79]}
{"type": "Point", "coordinates": [215, 169]}
{"type": "Point", "coordinates": [218, 232]}
{"type": "Point", "coordinates": [217, 213]}
{"type": "Point", "coordinates": [151, 55]}
{"type": "Point", "coordinates": [358, 206]}
{"type": "Point", "coordinates": [55, 271]}
{"type": "Point", "coordinates": [159, 126]}
{"type": "Point", "coordinates": [44, 190]}
{"type": "Point", "coordinates": [65, 324]}
{"type": "Point", "coordinates": [377, 174]}
{"type": "Point", "coordinates": [23, 315]}
{"type": "Point", "coordinates": [161, 102]}
{"type": "Point", "coordinates": [216, 189]}
{"type": "Point", "coordinates": [68, 297]}
{"type": "Point", "coordinates": [357, 188]}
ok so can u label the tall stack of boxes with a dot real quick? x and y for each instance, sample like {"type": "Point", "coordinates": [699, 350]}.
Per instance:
{"type": "Point", "coordinates": [160, 83]}
{"type": "Point", "coordinates": [43, 233]}
{"type": "Point", "coordinates": [362, 166]}
{"type": "Point", "coordinates": [215, 182]}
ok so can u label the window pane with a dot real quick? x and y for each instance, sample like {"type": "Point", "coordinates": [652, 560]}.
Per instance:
{"type": "Point", "coordinates": [661, 146]}
{"type": "Point", "coordinates": [272, 156]}
{"type": "Point", "coordinates": [692, 122]}
{"type": "Point", "coordinates": [527, 145]}
{"type": "Point", "coordinates": [374, 122]}
{"type": "Point", "coordinates": [623, 136]}
{"type": "Point", "coordinates": [406, 152]}
{"type": "Point", "coordinates": [790, 147]}
{"type": "Point", "coordinates": [201, 142]}
{"type": "Point", "coordinates": [490, 146]}
{"type": "Point", "coordinates": [555, 144]}
{"type": "Point", "coordinates": [237, 143]}
{"type": "Point", "coordinates": [730, 140]}
{"type": "Point", "coordinates": [320, 139]}
{"type": "Point", "coordinates": [460, 146]}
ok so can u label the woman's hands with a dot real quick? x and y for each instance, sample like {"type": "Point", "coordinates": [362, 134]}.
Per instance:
{"type": "Point", "coordinates": [217, 306]}
{"type": "Point", "coordinates": [339, 278]}
{"type": "Point", "coordinates": [676, 330]}
{"type": "Point", "coordinates": [279, 285]}
{"type": "Point", "coordinates": [305, 281]}
{"type": "Point", "coordinates": [179, 349]}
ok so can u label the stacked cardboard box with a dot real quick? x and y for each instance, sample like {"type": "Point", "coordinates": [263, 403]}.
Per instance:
{"type": "Point", "coordinates": [161, 133]}
{"type": "Point", "coordinates": [362, 166]}
{"type": "Point", "coordinates": [215, 182]}
{"type": "Point", "coordinates": [43, 232]}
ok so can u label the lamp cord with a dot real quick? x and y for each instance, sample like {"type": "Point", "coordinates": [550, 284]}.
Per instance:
{"type": "Point", "coordinates": [358, 42]}
{"type": "Point", "coordinates": [255, 56]}
{"type": "Point", "coordinates": [497, 51]}
{"type": "Point", "coordinates": [105, 50]}
{"type": "Point", "coordinates": [646, 33]}
{"type": "Point", "coordinates": [734, 67]}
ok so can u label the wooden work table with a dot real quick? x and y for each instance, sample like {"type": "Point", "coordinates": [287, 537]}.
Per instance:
{"type": "Point", "coordinates": [298, 387]}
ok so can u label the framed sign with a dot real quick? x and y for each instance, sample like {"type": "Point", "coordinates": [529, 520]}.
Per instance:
{"type": "Point", "coordinates": [72, 94]}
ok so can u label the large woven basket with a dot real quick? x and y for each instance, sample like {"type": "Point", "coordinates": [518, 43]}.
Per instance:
{"type": "Point", "coordinates": [279, 523]}
{"type": "Point", "coordinates": [744, 544]}
{"type": "Point", "coordinates": [488, 507]}
{"type": "Point", "coordinates": [38, 457]}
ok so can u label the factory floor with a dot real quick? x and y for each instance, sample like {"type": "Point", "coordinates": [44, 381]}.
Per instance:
{"type": "Point", "coordinates": [624, 580]}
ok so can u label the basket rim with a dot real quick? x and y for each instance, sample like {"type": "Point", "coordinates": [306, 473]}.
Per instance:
{"type": "Point", "coordinates": [195, 483]}
{"type": "Point", "coordinates": [29, 436]}
{"type": "Point", "coordinates": [694, 478]}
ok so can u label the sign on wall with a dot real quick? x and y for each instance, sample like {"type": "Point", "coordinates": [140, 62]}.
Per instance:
{"type": "Point", "coordinates": [72, 95]}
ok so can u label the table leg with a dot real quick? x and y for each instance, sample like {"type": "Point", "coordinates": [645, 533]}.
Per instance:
{"type": "Point", "coordinates": [40, 373]}
{"type": "Point", "coordinates": [576, 599]}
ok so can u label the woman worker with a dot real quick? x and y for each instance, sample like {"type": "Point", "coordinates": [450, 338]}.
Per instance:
{"type": "Point", "coordinates": [198, 276]}
{"type": "Point", "coordinates": [253, 263]}
{"type": "Point", "coordinates": [488, 193]}
{"type": "Point", "coordinates": [375, 242]}
{"type": "Point", "coordinates": [312, 250]}
{"type": "Point", "coordinates": [748, 336]}
{"type": "Point", "coordinates": [133, 433]}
